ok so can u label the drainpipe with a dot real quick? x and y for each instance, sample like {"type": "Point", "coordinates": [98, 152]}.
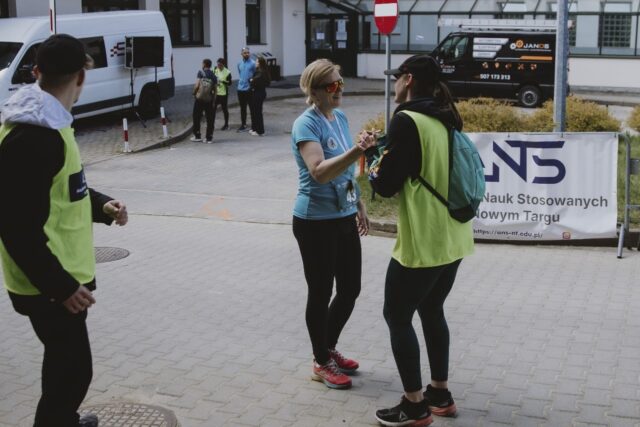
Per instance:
{"type": "Point", "coordinates": [224, 31]}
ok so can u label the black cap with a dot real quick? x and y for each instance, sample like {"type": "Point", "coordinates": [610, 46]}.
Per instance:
{"type": "Point", "coordinates": [61, 54]}
{"type": "Point", "coordinates": [419, 66]}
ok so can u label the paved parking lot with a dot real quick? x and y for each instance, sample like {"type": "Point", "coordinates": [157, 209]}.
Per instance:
{"type": "Point", "coordinates": [206, 315]}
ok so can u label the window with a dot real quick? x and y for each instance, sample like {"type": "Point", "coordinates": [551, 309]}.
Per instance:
{"type": "Point", "coordinates": [253, 21]}
{"type": "Point", "coordinates": [512, 11]}
{"type": "Point", "coordinates": [4, 8]}
{"type": "Point", "coordinates": [184, 19]}
{"type": "Point", "coordinates": [454, 48]}
{"type": "Point", "coordinates": [107, 5]}
{"type": "Point", "coordinates": [24, 73]}
{"type": "Point", "coordinates": [615, 27]}
{"type": "Point", "coordinates": [94, 46]}
{"type": "Point", "coordinates": [8, 52]}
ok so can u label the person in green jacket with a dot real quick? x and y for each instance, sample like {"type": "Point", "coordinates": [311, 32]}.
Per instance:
{"type": "Point", "coordinates": [46, 237]}
{"type": "Point", "coordinates": [430, 243]}
{"type": "Point", "coordinates": [223, 75]}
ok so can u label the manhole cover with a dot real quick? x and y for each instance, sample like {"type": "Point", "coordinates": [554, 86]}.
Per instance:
{"type": "Point", "coordinates": [124, 414]}
{"type": "Point", "coordinates": [110, 254]}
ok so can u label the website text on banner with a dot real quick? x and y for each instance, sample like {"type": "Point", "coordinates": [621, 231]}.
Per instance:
{"type": "Point", "coordinates": [554, 186]}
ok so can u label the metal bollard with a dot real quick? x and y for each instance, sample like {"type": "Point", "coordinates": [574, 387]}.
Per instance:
{"type": "Point", "coordinates": [163, 120]}
{"type": "Point", "coordinates": [125, 128]}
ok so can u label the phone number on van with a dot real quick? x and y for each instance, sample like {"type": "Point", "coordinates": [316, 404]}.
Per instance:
{"type": "Point", "coordinates": [487, 76]}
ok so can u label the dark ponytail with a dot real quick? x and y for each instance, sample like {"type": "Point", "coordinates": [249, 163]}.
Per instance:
{"type": "Point", "coordinates": [443, 97]}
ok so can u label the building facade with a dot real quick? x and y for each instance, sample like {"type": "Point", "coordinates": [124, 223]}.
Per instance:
{"type": "Point", "coordinates": [604, 40]}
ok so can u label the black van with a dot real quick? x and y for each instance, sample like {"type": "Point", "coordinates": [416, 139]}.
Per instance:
{"type": "Point", "coordinates": [499, 64]}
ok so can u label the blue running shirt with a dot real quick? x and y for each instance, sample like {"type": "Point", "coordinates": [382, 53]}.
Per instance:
{"type": "Point", "coordinates": [315, 200]}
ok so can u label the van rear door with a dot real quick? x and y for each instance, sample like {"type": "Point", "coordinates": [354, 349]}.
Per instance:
{"type": "Point", "coordinates": [453, 57]}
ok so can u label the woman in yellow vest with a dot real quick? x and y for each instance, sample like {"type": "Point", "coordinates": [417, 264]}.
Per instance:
{"type": "Point", "coordinates": [223, 75]}
{"type": "Point", "coordinates": [430, 243]}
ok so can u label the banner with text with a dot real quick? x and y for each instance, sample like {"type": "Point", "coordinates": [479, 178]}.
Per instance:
{"type": "Point", "coordinates": [552, 186]}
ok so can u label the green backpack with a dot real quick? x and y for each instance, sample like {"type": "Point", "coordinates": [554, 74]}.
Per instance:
{"type": "Point", "coordinates": [466, 178]}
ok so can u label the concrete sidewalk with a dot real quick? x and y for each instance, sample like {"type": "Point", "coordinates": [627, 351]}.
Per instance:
{"type": "Point", "coordinates": [205, 317]}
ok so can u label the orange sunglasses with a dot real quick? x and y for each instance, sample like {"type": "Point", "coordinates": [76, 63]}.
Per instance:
{"type": "Point", "coordinates": [333, 87]}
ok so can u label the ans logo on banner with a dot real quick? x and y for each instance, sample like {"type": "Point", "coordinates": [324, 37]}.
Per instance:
{"type": "Point", "coordinates": [551, 171]}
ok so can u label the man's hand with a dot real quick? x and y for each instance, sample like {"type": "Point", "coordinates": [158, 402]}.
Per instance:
{"type": "Point", "coordinates": [116, 210]}
{"type": "Point", "coordinates": [79, 301]}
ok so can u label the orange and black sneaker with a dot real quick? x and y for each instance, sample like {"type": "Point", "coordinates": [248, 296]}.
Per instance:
{"type": "Point", "coordinates": [407, 413]}
{"type": "Point", "coordinates": [440, 401]}
{"type": "Point", "coordinates": [330, 375]}
{"type": "Point", "coordinates": [347, 366]}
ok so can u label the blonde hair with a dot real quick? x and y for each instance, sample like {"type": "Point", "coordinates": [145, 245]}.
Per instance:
{"type": "Point", "coordinates": [314, 74]}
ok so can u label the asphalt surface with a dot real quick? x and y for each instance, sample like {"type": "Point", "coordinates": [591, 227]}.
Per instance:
{"type": "Point", "coordinates": [205, 317]}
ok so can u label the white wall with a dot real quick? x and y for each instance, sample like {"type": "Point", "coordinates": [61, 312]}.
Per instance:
{"type": "Point", "coordinates": [293, 58]}
{"type": "Point", "coordinates": [599, 72]}
{"type": "Point", "coordinates": [25, 8]}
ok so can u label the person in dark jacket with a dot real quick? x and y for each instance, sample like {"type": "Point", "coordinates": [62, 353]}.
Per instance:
{"type": "Point", "coordinates": [430, 243]}
{"type": "Point", "coordinates": [261, 79]}
{"type": "Point", "coordinates": [46, 241]}
{"type": "Point", "coordinates": [206, 105]}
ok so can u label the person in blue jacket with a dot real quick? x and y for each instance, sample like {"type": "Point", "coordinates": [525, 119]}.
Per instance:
{"type": "Point", "coordinates": [246, 70]}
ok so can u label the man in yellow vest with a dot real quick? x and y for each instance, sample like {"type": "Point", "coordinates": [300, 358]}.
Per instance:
{"type": "Point", "coordinates": [46, 241]}
{"type": "Point", "coordinates": [430, 243]}
{"type": "Point", "coordinates": [223, 75]}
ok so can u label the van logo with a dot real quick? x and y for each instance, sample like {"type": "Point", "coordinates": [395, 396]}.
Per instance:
{"type": "Point", "coordinates": [117, 50]}
{"type": "Point", "coordinates": [520, 44]}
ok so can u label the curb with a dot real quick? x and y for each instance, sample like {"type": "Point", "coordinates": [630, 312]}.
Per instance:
{"type": "Point", "coordinates": [632, 239]}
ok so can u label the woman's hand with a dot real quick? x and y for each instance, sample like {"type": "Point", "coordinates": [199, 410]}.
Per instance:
{"type": "Point", "coordinates": [367, 139]}
{"type": "Point", "coordinates": [362, 219]}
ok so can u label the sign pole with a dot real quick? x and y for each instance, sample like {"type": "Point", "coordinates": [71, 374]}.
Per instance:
{"type": "Point", "coordinates": [562, 53]}
{"type": "Point", "coordinates": [387, 87]}
{"type": "Point", "coordinates": [52, 16]}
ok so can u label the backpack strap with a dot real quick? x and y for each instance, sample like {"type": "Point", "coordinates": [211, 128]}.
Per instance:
{"type": "Point", "coordinates": [429, 186]}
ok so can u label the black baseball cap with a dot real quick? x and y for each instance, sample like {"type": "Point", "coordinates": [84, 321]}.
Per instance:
{"type": "Point", "coordinates": [61, 54]}
{"type": "Point", "coordinates": [419, 66]}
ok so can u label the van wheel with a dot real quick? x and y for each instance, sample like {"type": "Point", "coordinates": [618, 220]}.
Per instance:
{"type": "Point", "coordinates": [529, 96]}
{"type": "Point", "coordinates": [149, 103]}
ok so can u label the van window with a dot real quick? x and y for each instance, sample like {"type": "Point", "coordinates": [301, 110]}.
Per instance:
{"type": "Point", "coordinates": [23, 73]}
{"type": "Point", "coordinates": [8, 52]}
{"type": "Point", "coordinates": [454, 48]}
{"type": "Point", "coordinates": [94, 46]}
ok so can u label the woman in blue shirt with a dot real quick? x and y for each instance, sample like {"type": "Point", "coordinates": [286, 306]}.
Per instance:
{"type": "Point", "coordinates": [328, 217]}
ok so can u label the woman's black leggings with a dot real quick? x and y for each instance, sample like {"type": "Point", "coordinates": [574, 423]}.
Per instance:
{"type": "Point", "coordinates": [425, 290]}
{"type": "Point", "coordinates": [330, 249]}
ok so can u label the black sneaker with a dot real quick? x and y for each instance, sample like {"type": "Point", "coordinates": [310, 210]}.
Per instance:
{"type": "Point", "coordinates": [440, 401]}
{"type": "Point", "coordinates": [88, 420]}
{"type": "Point", "coordinates": [406, 413]}
{"type": "Point", "coordinates": [243, 128]}
{"type": "Point", "coordinates": [225, 127]}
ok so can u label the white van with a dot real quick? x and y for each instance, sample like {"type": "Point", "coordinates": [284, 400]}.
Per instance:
{"type": "Point", "coordinates": [109, 85]}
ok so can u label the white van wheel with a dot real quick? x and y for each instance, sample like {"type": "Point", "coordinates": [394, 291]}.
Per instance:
{"type": "Point", "coordinates": [149, 103]}
{"type": "Point", "coordinates": [529, 96]}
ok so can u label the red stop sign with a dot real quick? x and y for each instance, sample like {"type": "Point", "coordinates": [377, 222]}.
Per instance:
{"type": "Point", "coordinates": [385, 13]}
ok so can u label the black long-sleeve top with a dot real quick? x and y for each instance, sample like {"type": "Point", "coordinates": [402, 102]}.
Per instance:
{"type": "Point", "coordinates": [403, 155]}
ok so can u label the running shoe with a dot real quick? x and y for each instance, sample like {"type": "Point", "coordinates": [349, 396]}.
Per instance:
{"type": "Point", "coordinates": [440, 401]}
{"type": "Point", "coordinates": [347, 366]}
{"type": "Point", "coordinates": [330, 375]}
{"type": "Point", "coordinates": [407, 413]}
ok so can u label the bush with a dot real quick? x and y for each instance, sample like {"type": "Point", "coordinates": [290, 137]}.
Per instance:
{"type": "Point", "coordinates": [582, 116]}
{"type": "Point", "coordinates": [375, 123]}
{"type": "Point", "coordinates": [489, 115]}
{"type": "Point", "coordinates": [634, 119]}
